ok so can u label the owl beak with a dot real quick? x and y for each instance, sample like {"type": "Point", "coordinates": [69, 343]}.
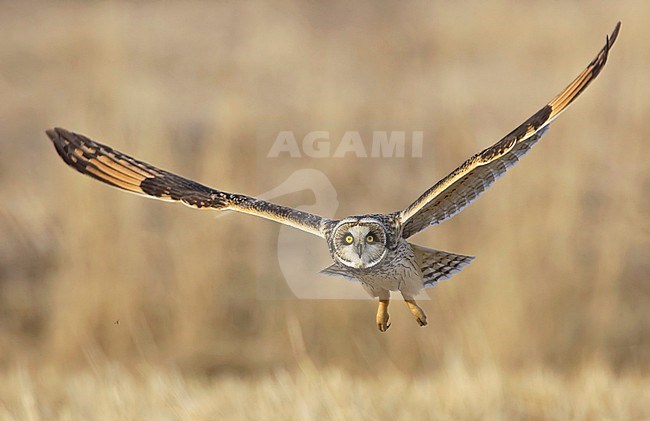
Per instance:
{"type": "Point", "coordinates": [359, 248]}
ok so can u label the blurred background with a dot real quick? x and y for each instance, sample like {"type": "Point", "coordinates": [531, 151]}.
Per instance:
{"type": "Point", "coordinates": [93, 277]}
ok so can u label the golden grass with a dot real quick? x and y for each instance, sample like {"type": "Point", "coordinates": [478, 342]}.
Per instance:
{"type": "Point", "coordinates": [111, 392]}
{"type": "Point", "coordinates": [203, 89]}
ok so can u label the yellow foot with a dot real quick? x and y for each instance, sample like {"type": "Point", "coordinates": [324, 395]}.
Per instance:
{"type": "Point", "coordinates": [417, 312]}
{"type": "Point", "coordinates": [383, 325]}
{"type": "Point", "coordinates": [382, 316]}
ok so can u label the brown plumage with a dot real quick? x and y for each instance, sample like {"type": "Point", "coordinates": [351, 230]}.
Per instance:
{"type": "Point", "coordinates": [371, 249]}
{"type": "Point", "coordinates": [451, 194]}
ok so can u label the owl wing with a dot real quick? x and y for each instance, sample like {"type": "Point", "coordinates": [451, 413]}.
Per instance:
{"type": "Point", "coordinates": [454, 192]}
{"type": "Point", "coordinates": [336, 270]}
{"type": "Point", "coordinates": [124, 172]}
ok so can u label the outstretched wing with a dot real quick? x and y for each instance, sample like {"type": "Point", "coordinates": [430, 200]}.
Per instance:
{"type": "Point", "coordinates": [454, 192]}
{"type": "Point", "coordinates": [119, 170]}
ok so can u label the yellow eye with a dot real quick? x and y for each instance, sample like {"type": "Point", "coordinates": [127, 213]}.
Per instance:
{"type": "Point", "coordinates": [370, 238]}
{"type": "Point", "coordinates": [349, 239]}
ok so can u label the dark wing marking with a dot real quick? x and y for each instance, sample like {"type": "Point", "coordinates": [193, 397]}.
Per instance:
{"type": "Point", "coordinates": [454, 192]}
{"type": "Point", "coordinates": [124, 172]}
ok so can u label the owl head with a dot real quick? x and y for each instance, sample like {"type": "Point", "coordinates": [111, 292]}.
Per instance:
{"type": "Point", "coordinates": [358, 242]}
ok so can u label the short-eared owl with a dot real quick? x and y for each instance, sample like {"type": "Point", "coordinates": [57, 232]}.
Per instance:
{"type": "Point", "coordinates": [371, 249]}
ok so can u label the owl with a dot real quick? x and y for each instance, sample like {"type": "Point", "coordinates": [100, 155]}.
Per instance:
{"type": "Point", "coordinates": [372, 249]}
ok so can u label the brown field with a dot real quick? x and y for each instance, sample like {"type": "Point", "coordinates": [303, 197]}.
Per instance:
{"type": "Point", "coordinates": [454, 392]}
{"type": "Point", "coordinates": [112, 306]}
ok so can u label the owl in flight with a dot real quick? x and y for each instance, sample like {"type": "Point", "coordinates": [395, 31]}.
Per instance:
{"type": "Point", "coordinates": [372, 249]}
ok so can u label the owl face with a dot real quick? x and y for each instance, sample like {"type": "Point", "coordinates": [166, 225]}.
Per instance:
{"type": "Point", "coordinates": [359, 243]}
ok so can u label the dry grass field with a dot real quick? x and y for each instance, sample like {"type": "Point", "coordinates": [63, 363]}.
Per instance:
{"type": "Point", "coordinates": [455, 392]}
{"type": "Point", "coordinates": [115, 307]}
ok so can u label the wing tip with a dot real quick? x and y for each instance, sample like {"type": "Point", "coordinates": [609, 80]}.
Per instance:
{"type": "Point", "coordinates": [61, 139]}
{"type": "Point", "coordinates": [609, 43]}
{"type": "Point", "coordinates": [575, 88]}
{"type": "Point", "coordinates": [56, 133]}
{"type": "Point", "coordinates": [52, 134]}
{"type": "Point", "coordinates": [612, 37]}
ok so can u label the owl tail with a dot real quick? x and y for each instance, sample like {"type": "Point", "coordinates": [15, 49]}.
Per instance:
{"type": "Point", "coordinates": [437, 265]}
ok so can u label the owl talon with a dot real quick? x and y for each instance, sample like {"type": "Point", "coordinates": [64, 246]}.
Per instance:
{"type": "Point", "coordinates": [382, 315]}
{"type": "Point", "coordinates": [382, 322]}
{"type": "Point", "coordinates": [417, 312]}
{"type": "Point", "coordinates": [383, 327]}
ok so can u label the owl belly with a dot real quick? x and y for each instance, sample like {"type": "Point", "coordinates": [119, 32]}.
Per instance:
{"type": "Point", "coordinates": [398, 272]}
